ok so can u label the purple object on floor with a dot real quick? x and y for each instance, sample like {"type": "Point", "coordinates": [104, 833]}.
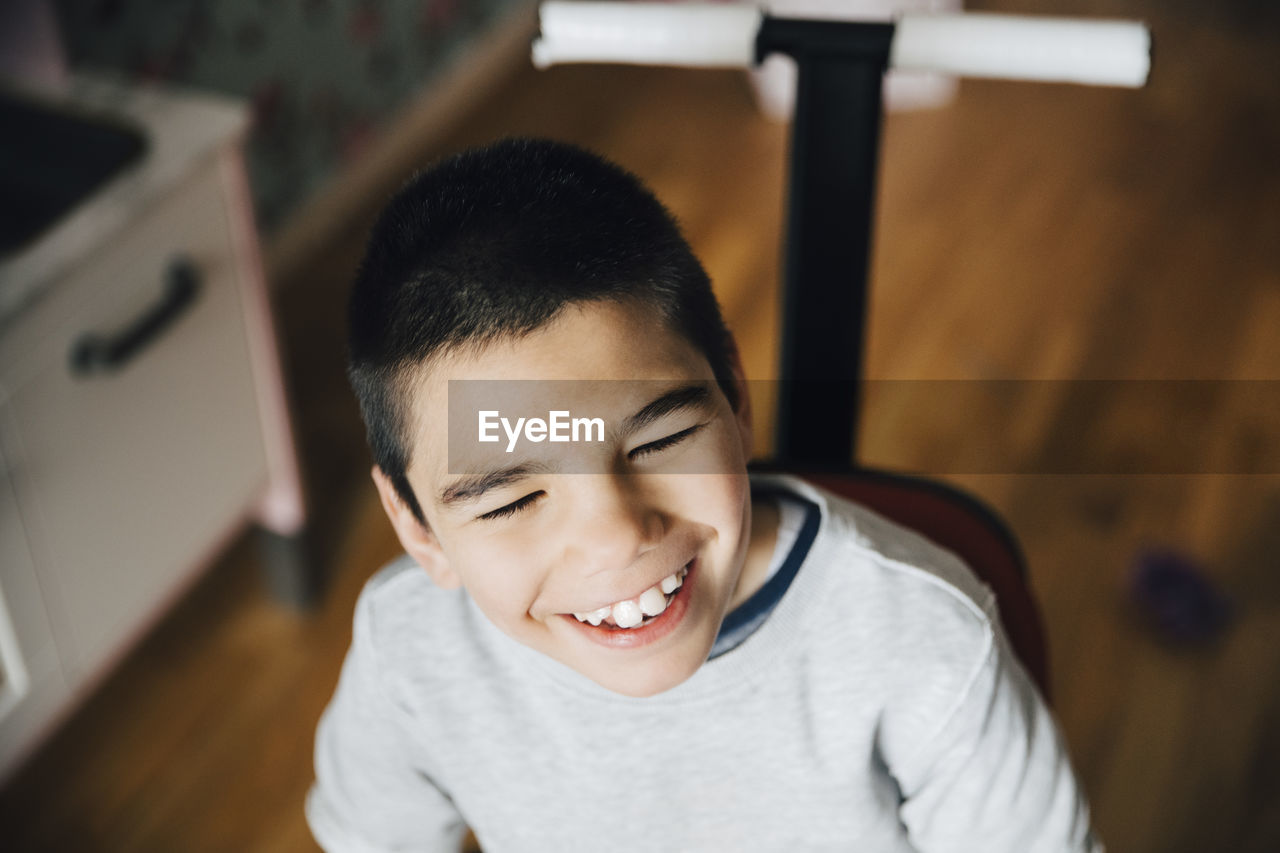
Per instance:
{"type": "Point", "coordinates": [1177, 597]}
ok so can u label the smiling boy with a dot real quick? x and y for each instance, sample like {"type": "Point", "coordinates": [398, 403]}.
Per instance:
{"type": "Point", "coordinates": [629, 642]}
{"type": "Point", "coordinates": [535, 543]}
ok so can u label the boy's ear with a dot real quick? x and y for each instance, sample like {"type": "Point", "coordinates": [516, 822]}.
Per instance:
{"type": "Point", "coordinates": [418, 540]}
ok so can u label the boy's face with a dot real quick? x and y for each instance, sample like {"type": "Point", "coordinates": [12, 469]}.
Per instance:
{"type": "Point", "coordinates": [536, 545]}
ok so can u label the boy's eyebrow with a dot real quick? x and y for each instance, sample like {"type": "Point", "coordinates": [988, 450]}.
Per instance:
{"type": "Point", "coordinates": [471, 487]}
{"type": "Point", "coordinates": [692, 396]}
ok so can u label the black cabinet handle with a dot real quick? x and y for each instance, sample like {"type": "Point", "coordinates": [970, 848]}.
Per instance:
{"type": "Point", "coordinates": [98, 353]}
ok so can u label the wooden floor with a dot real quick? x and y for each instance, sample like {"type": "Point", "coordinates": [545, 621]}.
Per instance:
{"type": "Point", "coordinates": [1065, 238]}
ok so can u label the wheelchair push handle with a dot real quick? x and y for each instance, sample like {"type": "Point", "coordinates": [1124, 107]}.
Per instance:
{"type": "Point", "coordinates": [1046, 49]}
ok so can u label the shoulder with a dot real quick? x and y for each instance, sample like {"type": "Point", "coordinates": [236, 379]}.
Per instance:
{"type": "Point", "coordinates": [909, 611]}
{"type": "Point", "coordinates": [413, 629]}
{"type": "Point", "coordinates": [394, 594]}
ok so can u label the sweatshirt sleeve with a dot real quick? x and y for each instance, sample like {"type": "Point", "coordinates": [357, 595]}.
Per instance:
{"type": "Point", "coordinates": [995, 776]}
{"type": "Point", "coordinates": [370, 792]}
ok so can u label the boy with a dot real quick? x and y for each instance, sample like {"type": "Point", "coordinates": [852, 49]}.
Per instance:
{"type": "Point", "coordinates": [627, 643]}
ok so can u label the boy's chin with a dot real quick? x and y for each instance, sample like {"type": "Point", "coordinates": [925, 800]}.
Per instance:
{"type": "Point", "coordinates": [642, 678]}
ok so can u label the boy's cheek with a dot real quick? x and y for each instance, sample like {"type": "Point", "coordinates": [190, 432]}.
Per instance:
{"type": "Point", "coordinates": [498, 578]}
{"type": "Point", "coordinates": [500, 600]}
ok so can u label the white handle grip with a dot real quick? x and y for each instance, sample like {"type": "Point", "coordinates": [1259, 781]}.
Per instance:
{"type": "Point", "coordinates": [722, 36]}
{"type": "Point", "coordinates": [1064, 50]}
{"type": "Point", "coordinates": [1115, 53]}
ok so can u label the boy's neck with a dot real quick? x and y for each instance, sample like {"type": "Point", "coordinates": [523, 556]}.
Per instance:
{"type": "Point", "coordinates": [764, 538]}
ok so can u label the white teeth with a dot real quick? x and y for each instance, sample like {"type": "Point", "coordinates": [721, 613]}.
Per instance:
{"type": "Point", "coordinates": [595, 617]}
{"type": "Point", "coordinates": [627, 614]}
{"type": "Point", "coordinates": [652, 601]}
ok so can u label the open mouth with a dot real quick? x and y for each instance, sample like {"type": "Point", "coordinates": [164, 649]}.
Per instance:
{"type": "Point", "coordinates": [643, 619]}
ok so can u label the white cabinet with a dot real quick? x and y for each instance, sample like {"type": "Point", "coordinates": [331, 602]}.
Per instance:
{"type": "Point", "coordinates": [127, 472]}
{"type": "Point", "coordinates": [32, 687]}
{"type": "Point", "coordinates": [141, 424]}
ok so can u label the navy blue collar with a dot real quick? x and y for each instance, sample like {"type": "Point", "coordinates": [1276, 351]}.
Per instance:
{"type": "Point", "coordinates": [751, 614]}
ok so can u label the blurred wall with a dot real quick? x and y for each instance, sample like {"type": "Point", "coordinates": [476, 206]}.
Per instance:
{"type": "Point", "coordinates": [322, 75]}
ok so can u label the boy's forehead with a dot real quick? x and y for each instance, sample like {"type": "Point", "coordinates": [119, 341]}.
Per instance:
{"type": "Point", "coordinates": [584, 341]}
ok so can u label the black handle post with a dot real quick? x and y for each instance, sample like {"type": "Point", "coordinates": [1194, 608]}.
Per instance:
{"type": "Point", "coordinates": [830, 217]}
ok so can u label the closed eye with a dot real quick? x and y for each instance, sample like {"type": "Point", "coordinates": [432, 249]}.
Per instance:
{"type": "Point", "coordinates": [513, 507]}
{"type": "Point", "coordinates": [663, 443]}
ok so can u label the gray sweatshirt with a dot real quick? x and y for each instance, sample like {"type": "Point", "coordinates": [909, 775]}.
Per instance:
{"type": "Point", "coordinates": [877, 708]}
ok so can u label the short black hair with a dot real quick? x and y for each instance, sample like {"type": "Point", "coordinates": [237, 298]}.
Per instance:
{"type": "Point", "coordinates": [493, 243]}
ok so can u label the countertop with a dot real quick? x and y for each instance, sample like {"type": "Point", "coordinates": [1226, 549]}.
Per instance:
{"type": "Point", "coordinates": [182, 128]}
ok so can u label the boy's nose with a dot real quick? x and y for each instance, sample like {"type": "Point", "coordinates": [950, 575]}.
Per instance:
{"type": "Point", "coordinates": [616, 525]}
